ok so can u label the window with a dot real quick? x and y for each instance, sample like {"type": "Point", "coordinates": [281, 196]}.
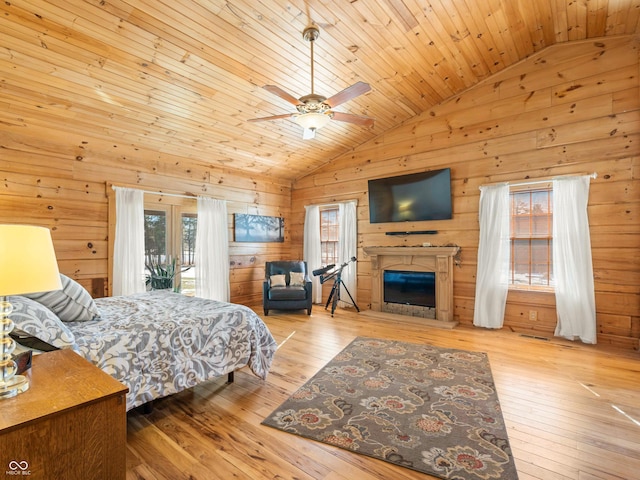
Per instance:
{"type": "Point", "coordinates": [531, 237]}
{"type": "Point", "coordinates": [155, 236]}
{"type": "Point", "coordinates": [329, 235]}
{"type": "Point", "coordinates": [188, 277]}
{"type": "Point", "coordinates": [170, 236]}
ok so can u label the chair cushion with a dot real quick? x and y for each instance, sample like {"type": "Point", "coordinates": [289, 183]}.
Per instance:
{"type": "Point", "coordinates": [287, 293]}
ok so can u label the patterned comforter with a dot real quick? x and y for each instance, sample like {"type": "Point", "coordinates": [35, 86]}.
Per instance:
{"type": "Point", "coordinates": [158, 343]}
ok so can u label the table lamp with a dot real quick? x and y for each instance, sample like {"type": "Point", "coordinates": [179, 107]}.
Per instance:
{"type": "Point", "coordinates": [27, 265]}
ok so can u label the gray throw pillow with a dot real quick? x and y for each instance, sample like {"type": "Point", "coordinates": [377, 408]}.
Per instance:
{"type": "Point", "coordinates": [71, 304]}
{"type": "Point", "coordinates": [37, 320]}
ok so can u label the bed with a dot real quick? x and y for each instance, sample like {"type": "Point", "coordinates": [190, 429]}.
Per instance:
{"type": "Point", "coordinates": [156, 343]}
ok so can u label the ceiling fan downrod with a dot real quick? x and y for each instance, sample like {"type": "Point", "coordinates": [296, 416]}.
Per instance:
{"type": "Point", "coordinates": [311, 34]}
{"type": "Point", "coordinates": [314, 111]}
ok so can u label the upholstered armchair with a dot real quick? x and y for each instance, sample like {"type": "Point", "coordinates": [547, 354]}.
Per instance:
{"type": "Point", "coordinates": [287, 286]}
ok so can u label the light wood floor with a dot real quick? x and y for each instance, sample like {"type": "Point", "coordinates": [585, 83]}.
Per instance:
{"type": "Point", "coordinates": [572, 410]}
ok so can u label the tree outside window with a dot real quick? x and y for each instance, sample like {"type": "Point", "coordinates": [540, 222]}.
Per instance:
{"type": "Point", "coordinates": [188, 277]}
{"type": "Point", "coordinates": [155, 236]}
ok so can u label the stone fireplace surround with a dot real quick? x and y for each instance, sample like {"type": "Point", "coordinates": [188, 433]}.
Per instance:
{"type": "Point", "coordinates": [417, 259]}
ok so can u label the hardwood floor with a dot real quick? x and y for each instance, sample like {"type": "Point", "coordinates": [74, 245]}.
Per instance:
{"type": "Point", "coordinates": [572, 410]}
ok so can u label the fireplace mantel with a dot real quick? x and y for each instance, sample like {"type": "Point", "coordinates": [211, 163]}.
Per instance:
{"type": "Point", "coordinates": [418, 259]}
{"type": "Point", "coordinates": [428, 251]}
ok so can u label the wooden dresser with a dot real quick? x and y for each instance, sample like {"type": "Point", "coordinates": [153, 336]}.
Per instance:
{"type": "Point", "coordinates": [70, 424]}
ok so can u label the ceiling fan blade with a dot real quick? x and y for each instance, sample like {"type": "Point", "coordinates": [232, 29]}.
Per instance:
{"type": "Point", "coordinates": [282, 94]}
{"type": "Point", "coordinates": [309, 133]}
{"type": "Point", "coordinates": [351, 118]}
{"type": "Point", "coordinates": [272, 117]}
{"type": "Point", "coordinates": [348, 93]}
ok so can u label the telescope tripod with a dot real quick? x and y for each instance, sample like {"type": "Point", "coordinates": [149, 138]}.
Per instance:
{"type": "Point", "coordinates": [334, 296]}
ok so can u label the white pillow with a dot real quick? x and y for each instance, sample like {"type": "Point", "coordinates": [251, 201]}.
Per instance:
{"type": "Point", "coordinates": [296, 279]}
{"type": "Point", "coordinates": [37, 320]}
{"type": "Point", "coordinates": [277, 281]}
{"type": "Point", "coordinates": [71, 304]}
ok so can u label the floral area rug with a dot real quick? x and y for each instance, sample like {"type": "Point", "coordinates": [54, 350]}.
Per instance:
{"type": "Point", "coordinates": [430, 409]}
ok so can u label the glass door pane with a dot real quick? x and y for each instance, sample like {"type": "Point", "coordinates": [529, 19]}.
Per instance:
{"type": "Point", "coordinates": [156, 248]}
{"type": "Point", "coordinates": [189, 222]}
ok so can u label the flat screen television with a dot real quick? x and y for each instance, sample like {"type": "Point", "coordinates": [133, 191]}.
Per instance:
{"type": "Point", "coordinates": [411, 198]}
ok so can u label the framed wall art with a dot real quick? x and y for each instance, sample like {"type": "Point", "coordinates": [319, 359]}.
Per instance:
{"type": "Point", "coordinates": [258, 228]}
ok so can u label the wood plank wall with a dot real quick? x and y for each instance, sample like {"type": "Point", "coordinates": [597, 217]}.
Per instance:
{"type": "Point", "coordinates": [62, 183]}
{"type": "Point", "coordinates": [571, 109]}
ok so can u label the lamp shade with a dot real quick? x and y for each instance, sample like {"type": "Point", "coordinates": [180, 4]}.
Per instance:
{"type": "Point", "coordinates": [27, 260]}
{"type": "Point", "coordinates": [312, 121]}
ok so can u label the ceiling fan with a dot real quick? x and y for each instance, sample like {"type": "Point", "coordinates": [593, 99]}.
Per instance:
{"type": "Point", "coordinates": [315, 111]}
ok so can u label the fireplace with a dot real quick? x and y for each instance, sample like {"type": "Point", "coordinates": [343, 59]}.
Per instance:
{"type": "Point", "coordinates": [405, 287]}
{"type": "Point", "coordinates": [432, 261]}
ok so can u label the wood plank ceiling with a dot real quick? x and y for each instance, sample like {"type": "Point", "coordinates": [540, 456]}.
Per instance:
{"type": "Point", "coordinates": [182, 77]}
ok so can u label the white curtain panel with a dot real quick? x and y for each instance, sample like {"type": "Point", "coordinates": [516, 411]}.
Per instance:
{"type": "Point", "coordinates": [128, 249]}
{"type": "Point", "coordinates": [348, 248]}
{"type": "Point", "coordinates": [212, 250]}
{"type": "Point", "coordinates": [572, 264]}
{"type": "Point", "coordinates": [492, 277]}
{"type": "Point", "coordinates": [312, 250]}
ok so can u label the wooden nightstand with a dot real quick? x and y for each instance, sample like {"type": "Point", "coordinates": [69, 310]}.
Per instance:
{"type": "Point", "coordinates": [70, 424]}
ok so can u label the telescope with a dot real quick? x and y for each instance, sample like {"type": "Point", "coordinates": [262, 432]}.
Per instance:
{"type": "Point", "coordinates": [335, 272]}
{"type": "Point", "coordinates": [323, 270]}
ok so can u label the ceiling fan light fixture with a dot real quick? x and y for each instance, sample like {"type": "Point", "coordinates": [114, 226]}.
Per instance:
{"type": "Point", "coordinates": [312, 121]}
{"type": "Point", "coordinates": [315, 111]}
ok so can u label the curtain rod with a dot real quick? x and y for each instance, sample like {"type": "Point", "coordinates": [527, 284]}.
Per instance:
{"type": "Point", "coordinates": [331, 204]}
{"type": "Point", "coordinates": [179, 195]}
{"type": "Point", "coordinates": [537, 182]}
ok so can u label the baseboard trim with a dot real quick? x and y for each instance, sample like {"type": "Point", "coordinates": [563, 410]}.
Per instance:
{"type": "Point", "coordinates": [427, 322]}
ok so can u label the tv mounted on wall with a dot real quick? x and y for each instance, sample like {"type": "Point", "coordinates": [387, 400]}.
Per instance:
{"type": "Point", "coordinates": [411, 198]}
